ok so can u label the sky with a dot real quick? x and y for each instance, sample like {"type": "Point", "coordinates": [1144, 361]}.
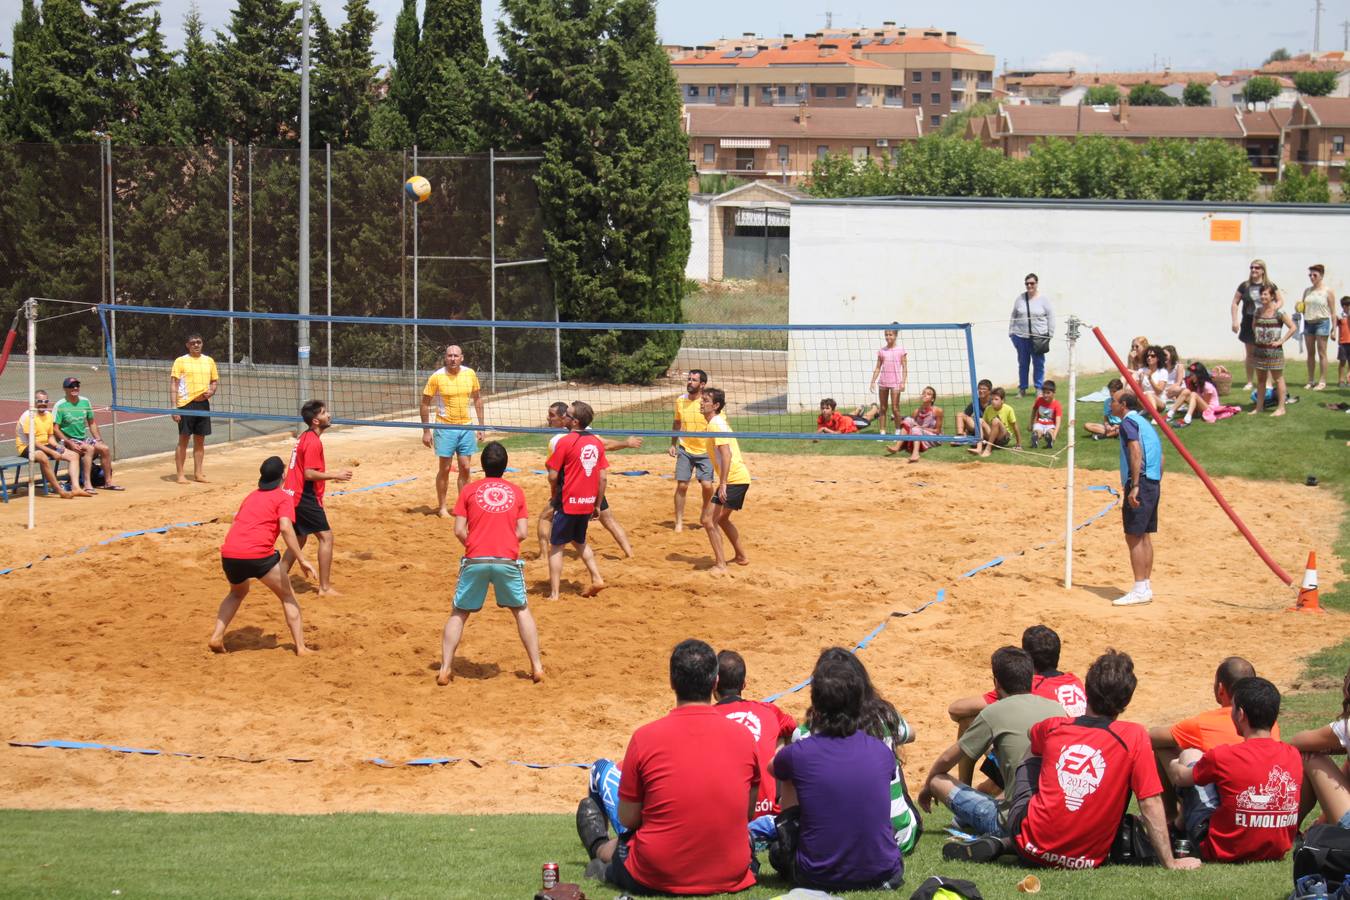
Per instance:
{"type": "Point", "coordinates": [1090, 35]}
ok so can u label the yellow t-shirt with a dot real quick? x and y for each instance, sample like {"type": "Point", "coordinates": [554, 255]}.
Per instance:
{"type": "Point", "coordinates": [737, 473]}
{"type": "Point", "coordinates": [44, 431]}
{"type": "Point", "coordinates": [452, 393]}
{"type": "Point", "coordinates": [1004, 414]}
{"type": "Point", "coordinates": [690, 418]}
{"type": "Point", "coordinates": [194, 377]}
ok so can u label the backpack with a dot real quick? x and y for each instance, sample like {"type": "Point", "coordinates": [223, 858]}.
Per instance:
{"type": "Point", "coordinates": [1325, 852]}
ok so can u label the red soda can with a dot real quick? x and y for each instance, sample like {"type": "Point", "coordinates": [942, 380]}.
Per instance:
{"type": "Point", "coordinates": [550, 875]}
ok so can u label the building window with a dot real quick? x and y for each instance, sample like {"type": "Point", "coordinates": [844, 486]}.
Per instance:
{"type": "Point", "coordinates": [709, 153]}
{"type": "Point", "coordinates": [860, 153]}
{"type": "Point", "coordinates": [916, 99]}
{"type": "Point", "coordinates": [782, 92]}
{"type": "Point", "coordinates": [745, 160]}
{"type": "Point", "coordinates": [916, 76]}
{"type": "Point", "coordinates": [691, 90]}
{"type": "Point", "coordinates": [766, 95]}
{"type": "Point", "coordinates": [841, 91]}
{"type": "Point", "coordinates": [935, 121]}
{"type": "Point", "coordinates": [782, 154]}
{"type": "Point", "coordinates": [937, 99]}
{"type": "Point", "coordinates": [895, 154]}
{"type": "Point", "coordinates": [822, 91]}
{"type": "Point", "coordinates": [726, 92]}
{"type": "Point", "coordinates": [937, 76]}
{"type": "Point", "coordinates": [822, 151]}
{"type": "Point", "coordinates": [1338, 144]}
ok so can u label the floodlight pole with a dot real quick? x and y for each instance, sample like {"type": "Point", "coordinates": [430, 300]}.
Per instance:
{"type": "Point", "coordinates": [1072, 427]}
{"type": "Point", "coordinates": [303, 336]}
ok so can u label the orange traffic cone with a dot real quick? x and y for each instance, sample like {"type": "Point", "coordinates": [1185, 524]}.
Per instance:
{"type": "Point", "coordinates": [1307, 593]}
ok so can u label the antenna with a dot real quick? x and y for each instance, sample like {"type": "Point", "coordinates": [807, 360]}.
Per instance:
{"type": "Point", "coordinates": [1317, 25]}
{"type": "Point", "coordinates": [1345, 27]}
{"type": "Point", "coordinates": [829, 19]}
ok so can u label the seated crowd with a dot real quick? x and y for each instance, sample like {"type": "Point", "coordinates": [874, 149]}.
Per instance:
{"type": "Point", "coordinates": [703, 790]}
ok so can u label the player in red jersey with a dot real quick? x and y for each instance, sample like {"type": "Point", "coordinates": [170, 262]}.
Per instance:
{"type": "Point", "coordinates": [305, 482]}
{"type": "Point", "coordinates": [576, 479]}
{"type": "Point", "coordinates": [769, 725]}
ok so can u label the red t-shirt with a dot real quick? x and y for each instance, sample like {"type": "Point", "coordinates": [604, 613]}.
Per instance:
{"type": "Point", "coordinates": [580, 456]}
{"type": "Point", "coordinates": [1087, 774]}
{"type": "Point", "coordinates": [768, 725]}
{"type": "Point", "coordinates": [1043, 413]}
{"type": "Point", "coordinates": [693, 772]}
{"type": "Point", "coordinates": [253, 534]}
{"type": "Point", "coordinates": [836, 422]}
{"type": "Point", "coordinates": [308, 454]}
{"type": "Point", "coordinates": [1064, 688]}
{"type": "Point", "coordinates": [492, 506]}
{"type": "Point", "coordinates": [1258, 782]}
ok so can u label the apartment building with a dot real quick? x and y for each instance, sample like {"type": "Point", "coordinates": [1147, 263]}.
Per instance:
{"type": "Point", "coordinates": [782, 142]}
{"type": "Point", "coordinates": [923, 69]}
{"type": "Point", "coordinates": [1315, 136]}
{"type": "Point", "coordinates": [1068, 88]}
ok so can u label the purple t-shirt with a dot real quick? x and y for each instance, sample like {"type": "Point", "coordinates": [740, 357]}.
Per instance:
{"type": "Point", "coordinates": [844, 789]}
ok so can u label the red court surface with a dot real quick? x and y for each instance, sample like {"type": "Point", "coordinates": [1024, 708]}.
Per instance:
{"type": "Point", "coordinates": [10, 410]}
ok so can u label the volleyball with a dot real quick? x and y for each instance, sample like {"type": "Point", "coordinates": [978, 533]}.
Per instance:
{"type": "Point", "coordinates": [417, 188]}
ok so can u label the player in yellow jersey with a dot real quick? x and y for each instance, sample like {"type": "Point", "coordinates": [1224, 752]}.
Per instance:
{"type": "Point", "coordinates": [733, 482]}
{"type": "Point", "coordinates": [691, 454]}
{"type": "Point", "coordinates": [453, 386]}
{"type": "Point", "coordinates": [192, 383]}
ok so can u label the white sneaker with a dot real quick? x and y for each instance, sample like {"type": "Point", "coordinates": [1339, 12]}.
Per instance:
{"type": "Point", "coordinates": [1134, 598]}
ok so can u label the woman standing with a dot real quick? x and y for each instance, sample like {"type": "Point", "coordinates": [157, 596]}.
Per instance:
{"type": "Point", "coordinates": [1318, 308]}
{"type": "Point", "coordinates": [1031, 327]}
{"type": "Point", "coordinates": [1271, 328]}
{"type": "Point", "coordinates": [889, 377]}
{"type": "Point", "coordinates": [1246, 299]}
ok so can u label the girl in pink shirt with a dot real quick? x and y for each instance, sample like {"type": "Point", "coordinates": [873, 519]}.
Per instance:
{"type": "Point", "coordinates": [888, 379]}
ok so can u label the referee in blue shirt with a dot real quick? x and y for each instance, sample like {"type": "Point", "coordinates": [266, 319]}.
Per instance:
{"type": "Point", "coordinates": [1141, 477]}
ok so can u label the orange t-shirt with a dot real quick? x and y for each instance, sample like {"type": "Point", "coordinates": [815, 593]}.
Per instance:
{"type": "Point", "coordinates": [836, 422]}
{"type": "Point", "coordinates": [1210, 729]}
{"type": "Point", "coordinates": [1343, 329]}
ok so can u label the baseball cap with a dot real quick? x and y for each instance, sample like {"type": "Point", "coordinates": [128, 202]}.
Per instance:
{"type": "Point", "coordinates": [70, 383]}
{"type": "Point", "coordinates": [273, 472]}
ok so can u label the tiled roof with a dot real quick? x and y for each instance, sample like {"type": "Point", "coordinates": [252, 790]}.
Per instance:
{"type": "Point", "coordinates": [1325, 62]}
{"type": "Point", "coordinates": [1266, 123]}
{"type": "Point", "coordinates": [1140, 121]}
{"type": "Point", "coordinates": [1120, 79]}
{"type": "Point", "coordinates": [820, 122]}
{"type": "Point", "coordinates": [1330, 112]}
{"type": "Point", "coordinates": [796, 53]}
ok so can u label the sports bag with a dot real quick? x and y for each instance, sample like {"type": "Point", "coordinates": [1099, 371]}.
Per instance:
{"type": "Point", "coordinates": [1040, 343]}
{"type": "Point", "coordinates": [1325, 852]}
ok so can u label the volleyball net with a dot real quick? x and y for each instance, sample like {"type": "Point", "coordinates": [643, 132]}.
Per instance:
{"type": "Point", "coordinates": [373, 370]}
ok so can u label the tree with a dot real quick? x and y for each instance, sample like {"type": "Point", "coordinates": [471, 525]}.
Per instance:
{"type": "Point", "coordinates": [1297, 186]}
{"type": "Point", "coordinates": [1196, 94]}
{"type": "Point", "coordinates": [955, 124]}
{"type": "Point", "coordinates": [1102, 95]}
{"type": "Point", "coordinates": [259, 72]}
{"type": "Point", "coordinates": [344, 79]}
{"type": "Point", "coordinates": [452, 76]}
{"type": "Point", "coordinates": [1279, 54]}
{"type": "Point", "coordinates": [119, 31]}
{"type": "Point", "coordinates": [1151, 95]}
{"type": "Point", "coordinates": [1260, 89]}
{"type": "Point", "coordinates": [198, 92]}
{"type": "Point", "coordinates": [589, 83]}
{"type": "Point", "coordinates": [56, 95]}
{"type": "Point", "coordinates": [1315, 84]}
{"type": "Point", "coordinates": [157, 107]}
{"type": "Point", "coordinates": [396, 119]}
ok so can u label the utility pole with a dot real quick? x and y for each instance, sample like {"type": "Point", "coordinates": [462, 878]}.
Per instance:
{"type": "Point", "coordinates": [1317, 25]}
{"type": "Point", "coordinates": [1345, 29]}
{"type": "Point", "coordinates": [302, 337]}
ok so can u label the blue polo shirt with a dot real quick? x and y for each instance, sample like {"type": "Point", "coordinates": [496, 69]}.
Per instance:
{"type": "Point", "coordinates": [1134, 427]}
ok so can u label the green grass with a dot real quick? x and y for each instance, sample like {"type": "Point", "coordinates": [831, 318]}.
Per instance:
{"type": "Point", "coordinates": [89, 854]}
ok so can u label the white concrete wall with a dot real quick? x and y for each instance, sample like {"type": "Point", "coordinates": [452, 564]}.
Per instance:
{"type": "Point", "coordinates": [699, 247]}
{"type": "Point", "coordinates": [1148, 269]}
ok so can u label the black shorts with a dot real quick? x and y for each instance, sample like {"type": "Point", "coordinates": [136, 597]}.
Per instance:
{"type": "Point", "coordinates": [569, 528]}
{"type": "Point", "coordinates": [735, 496]}
{"type": "Point", "coordinates": [240, 570]}
{"type": "Point", "coordinates": [194, 424]}
{"type": "Point", "coordinates": [1144, 519]}
{"type": "Point", "coordinates": [310, 517]}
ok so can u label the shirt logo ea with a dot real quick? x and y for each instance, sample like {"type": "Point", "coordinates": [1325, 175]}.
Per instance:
{"type": "Point", "coordinates": [1080, 770]}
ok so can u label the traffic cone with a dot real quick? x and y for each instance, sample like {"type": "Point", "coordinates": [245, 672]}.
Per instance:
{"type": "Point", "coordinates": [1307, 593]}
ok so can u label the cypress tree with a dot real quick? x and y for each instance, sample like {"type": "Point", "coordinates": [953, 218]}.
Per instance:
{"type": "Point", "coordinates": [198, 99]}
{"type": "Point", "coordinates": [345, 78]}
{"type": "Point", "coordinates": [394, 121]}
{"type": "Point", "coordinates": [451, 61]}
{"type": "Point", "coordinates": [592, 86]}
{"type": "Point", "coordinates": [260, 72]}
{"type": "Point", "coordinates": [157, 92]}
{"type": "Point", "coordinates": [119, 33]}
{"type": "Point", "coordinates": [56, 97]}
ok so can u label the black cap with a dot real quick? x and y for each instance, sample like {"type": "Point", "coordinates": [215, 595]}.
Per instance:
{"type": "Point", "coordinates": [70, 383]}
{"type": "Point", "coordinates": [273, 472]}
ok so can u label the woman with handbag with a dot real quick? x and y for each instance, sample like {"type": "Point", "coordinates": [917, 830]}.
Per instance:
{"type": "Point", "coordinates": [1031, 327]}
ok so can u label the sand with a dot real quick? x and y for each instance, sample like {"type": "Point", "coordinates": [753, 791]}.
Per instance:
{"type": "Point", "coordinates": [110, 645]}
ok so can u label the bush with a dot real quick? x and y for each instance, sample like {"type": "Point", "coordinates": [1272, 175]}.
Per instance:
{"type": "Point", "coordinates": [1298, 186]}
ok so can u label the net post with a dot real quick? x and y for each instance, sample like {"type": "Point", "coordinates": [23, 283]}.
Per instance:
{"type": "Point", "coordinates": [415, 363]}
{"type": "Point", "coordinates": [303, 330]}
{"type": "Point", "coordinates": [1073, 427]}
{"type": "Point", "coordinates": [328, 259]}
{"type": "Point", "coordinates": [492, 253]}
{"type": "Point", "coordinates": [30, 312]}
{"type": "Point", "coordinates": [251, 358]}
{"type": "Point", "coordinates": [112, 274]}
{"type": "Point", "coordinates": [229, 225]}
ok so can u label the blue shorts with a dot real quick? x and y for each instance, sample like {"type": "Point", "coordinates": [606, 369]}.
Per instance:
{"type": "Point", "coordinates": [1317, 327]}
{"type": "Point", "coordinates": [569, 528]}
{"type": "Point", "coordinates": [507, 578]}
{"type": "Point", "coordinates": [1198, 804]}
{"type": "Point", "coordinates": [449, 443]}
{"type": "Point", "coordinates": [974, 811]}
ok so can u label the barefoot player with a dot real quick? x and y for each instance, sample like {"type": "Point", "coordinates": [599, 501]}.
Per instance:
{"type": "Point", "coordinates": [490, 521]}
{"type": "Point", "coordinates": [733, 481]}
{"type": "Point", "coordinates": [249, 552]}
{"type": "Point", "coordinates": [690, 453]}
{"type": "Point", "coordinates": [576, 480]}
{"type": "Point", "coordinates": [557, 418]}
{"type": "Point", "coordinates": [305, 481]}
{"type": "Point", "coordinates": [453, 386]}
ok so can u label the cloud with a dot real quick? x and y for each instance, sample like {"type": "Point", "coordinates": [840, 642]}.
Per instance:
{"type": "Point", "coordinates": [1068, 59]}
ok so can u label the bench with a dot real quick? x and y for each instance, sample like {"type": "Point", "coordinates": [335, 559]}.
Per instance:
{"type": "Point", "coordinates": [18, 464]}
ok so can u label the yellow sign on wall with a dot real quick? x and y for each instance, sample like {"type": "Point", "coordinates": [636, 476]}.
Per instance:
{"type": "Point", "coordinates": [1225, 229]}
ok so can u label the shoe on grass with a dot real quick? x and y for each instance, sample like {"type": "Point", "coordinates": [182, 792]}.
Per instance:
{"type": "Point", "coordinates": [982, 849]}
{"type": "Point", "coordinates": [1134, 598]}
{"type": "Point", "coordinates": [592, 826]}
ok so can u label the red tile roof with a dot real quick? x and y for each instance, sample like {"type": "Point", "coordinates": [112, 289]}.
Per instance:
{"type": "Point", "coordinates": [796, 53]}
{"type": "Point", "coordinates": [1140, 121]}
{"type": "Point", "coordinates": [1329, 112]}
{"type": "Point", "coordinates": [1334, 61]}
{"type": "Point", "coordinates": [1120, 79]}
{"type": "Point", "coordinates": [1266, 123]}
{"type": "Point", "coordinates": [820, 122]}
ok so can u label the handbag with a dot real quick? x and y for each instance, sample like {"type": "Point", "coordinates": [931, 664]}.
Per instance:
{"type": "Point", "coordinates": [1040, 344]}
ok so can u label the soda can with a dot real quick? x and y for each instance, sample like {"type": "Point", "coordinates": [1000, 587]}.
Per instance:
{"type": "Point", "coordinates": [550, 875]}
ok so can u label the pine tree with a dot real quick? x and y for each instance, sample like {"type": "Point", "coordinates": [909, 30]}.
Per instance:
{"type": "Point", "coordinates": [157, 92]}
{"type": "Point", "coordinates": [591, 85]}
{"type": "Point", "coordinates": [119, 34]}
{"type": "Point", "coordinates": [260, 72]}
{"type": "Point", "coordinates": [394, 122]}
{"type": "Point", "coordinates": [56, 96]}
{"type": "Point", "coordinates": [345, 79]}
{"type": "Point", "coordinates": [199, 104]}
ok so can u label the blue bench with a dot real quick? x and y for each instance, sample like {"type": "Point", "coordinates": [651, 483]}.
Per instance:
{"type": "Point", "coordinates": [18, 464]}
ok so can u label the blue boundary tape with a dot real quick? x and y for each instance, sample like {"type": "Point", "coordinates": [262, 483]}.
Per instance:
{"type": "Point", "coordinates": [449, 760]}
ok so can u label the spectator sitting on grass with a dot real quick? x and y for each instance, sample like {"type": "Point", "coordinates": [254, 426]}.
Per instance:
{"type": "Point", "coordinates": [1109, 426]}
{"type": "Point", "coordinates": [1324, 782]}
{"type": "Point", "coordinates": [965, 420]}
{"type": "Point", "coordinates": [999, 427]}
{"type": "Point", "coordinates": [1241, 800]}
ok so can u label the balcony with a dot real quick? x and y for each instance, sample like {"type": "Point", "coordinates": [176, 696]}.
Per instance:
{"type": "Point", "coordinates": [894, 101]}
{"type": "Point", "coordinates": [1263, 160]}
{"type": "Point", "coordinates": [958, 84]}
{"type": "Point", "coordinates": [700, 101]}
{"type": "Point", "coordinates": [985, 85]}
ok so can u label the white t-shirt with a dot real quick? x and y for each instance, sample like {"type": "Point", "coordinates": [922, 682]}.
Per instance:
{"type": "Point", "coordinates": [1338, 729]}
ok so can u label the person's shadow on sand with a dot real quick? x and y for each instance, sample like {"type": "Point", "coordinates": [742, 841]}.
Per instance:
{"type": "Point", "coordinates": [250, 638]}
{"type": "Point", "coordinates": [463, 668]}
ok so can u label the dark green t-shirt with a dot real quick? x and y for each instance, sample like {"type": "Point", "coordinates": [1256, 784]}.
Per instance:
{"type": "Point", "coordinates": [73, 418]}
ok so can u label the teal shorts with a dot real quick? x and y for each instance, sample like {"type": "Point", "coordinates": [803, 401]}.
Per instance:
{"type": "Point", "coordinates": [506, 576]}
{"type": "Point", "coordinates": [450, 443]}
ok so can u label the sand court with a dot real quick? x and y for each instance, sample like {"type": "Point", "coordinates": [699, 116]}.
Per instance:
{"type": "Point", "coordinates": [110, 645]}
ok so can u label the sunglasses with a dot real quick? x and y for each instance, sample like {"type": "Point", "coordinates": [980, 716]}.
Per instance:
{"type": "Point", "coordinates": [41, 402]}
{"type": "Point", "coordinates": [194, 343]}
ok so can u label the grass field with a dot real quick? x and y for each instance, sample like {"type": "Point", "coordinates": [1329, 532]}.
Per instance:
{"type": "Point", "coordinates": [63, 854]}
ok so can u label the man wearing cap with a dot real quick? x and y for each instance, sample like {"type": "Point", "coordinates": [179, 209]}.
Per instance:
{"type": "Point", "coordinates": [192, 382]}
{"type": "Point", "coordinates": [35, 438]}
{"type": "Point", "coordinates": [74, 418]}
{"type": "Point", "coordinates": [250, 552]}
